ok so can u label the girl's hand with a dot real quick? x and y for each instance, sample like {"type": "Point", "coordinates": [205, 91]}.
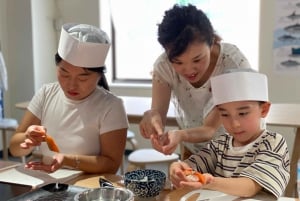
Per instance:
{"type": "Point", "coordinates": [56, 164]}
{"type": "Point", "coordinates": [34, 136]}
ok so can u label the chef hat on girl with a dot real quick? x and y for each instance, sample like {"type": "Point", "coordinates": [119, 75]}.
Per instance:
{"type": "Point", "coordinates": [239, 85]}
{"type": "Point", "coordinates": [83, 45]}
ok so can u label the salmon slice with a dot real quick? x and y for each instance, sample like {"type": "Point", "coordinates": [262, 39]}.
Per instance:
{"type": "Point", "coordinates": [193, 175]}
{"type": "Point", "coordinates": [51, 144]}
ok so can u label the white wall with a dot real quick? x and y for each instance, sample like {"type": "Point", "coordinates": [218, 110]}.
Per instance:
{"type": "Point", "coordinates": [17, 50]}
{"type": "Point", "coordinates": [28, 68]}
{"type": "Point", "coordinates": [16, 31]}
{"type": "Point", "coordinates": [282, 87]}
{"type": "Point", "coordinates": [16, 44]}
{"type": "Point", "coordinates": [44, 31]}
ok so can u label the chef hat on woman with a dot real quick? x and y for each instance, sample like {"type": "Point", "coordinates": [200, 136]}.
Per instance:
{"type": "Point", "coordinates": [239, 85]}
{"type": "Point", "coordinates": [83, 45]}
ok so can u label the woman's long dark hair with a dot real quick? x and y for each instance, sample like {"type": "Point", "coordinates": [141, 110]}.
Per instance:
{"type": "Point", "coordinates": [101, 70]}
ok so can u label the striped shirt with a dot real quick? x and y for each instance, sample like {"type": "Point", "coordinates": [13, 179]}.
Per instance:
{"type": "Point", "coordinates": [265, 160]}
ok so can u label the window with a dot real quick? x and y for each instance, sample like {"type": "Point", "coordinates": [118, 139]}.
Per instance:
{"type": "Point", "coordinates": [134, 32]}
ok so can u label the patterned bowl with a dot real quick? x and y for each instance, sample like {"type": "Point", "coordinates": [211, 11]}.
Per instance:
{"type": "Point", "coordinates": [145, 183]}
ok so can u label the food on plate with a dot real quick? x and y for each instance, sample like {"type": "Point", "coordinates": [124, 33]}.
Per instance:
{"type": "Point", "coordinates": [195, 176]}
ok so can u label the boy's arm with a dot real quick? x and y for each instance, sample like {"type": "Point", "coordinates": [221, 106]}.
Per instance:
{"type": "Point", "coordinates": [242, 186]}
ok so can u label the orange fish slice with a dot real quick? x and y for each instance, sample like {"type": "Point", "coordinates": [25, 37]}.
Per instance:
{"type": "Point", "coordinates": [51, 143]}
{"type": "Point", "coordinates": [193, 175]}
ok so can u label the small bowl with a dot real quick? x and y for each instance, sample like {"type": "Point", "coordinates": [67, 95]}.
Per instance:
{"type": "Point", "coordinates": [105, 193]}
{"type": "Point", "coordinates": [145, 183]}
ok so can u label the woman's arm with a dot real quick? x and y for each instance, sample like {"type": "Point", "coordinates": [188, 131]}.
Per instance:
{"type": "Point", "coordinates": [154, 120]}
{"type": "Point", "coordinates": [20, 136]}
{"type": "Point", "coordinates": [161, 95]}
{"type": "Point", "coordinates": [205, 132]}
{"type": "Point", "coordinates": [112, 146]}
{"type": "Point", "coordinates": [168, 145]}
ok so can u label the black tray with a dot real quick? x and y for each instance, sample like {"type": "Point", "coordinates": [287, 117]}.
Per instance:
{"type": "Point", "coordinates": [64, 192]}
{"type": "Point", "coordinates": [10, 190]}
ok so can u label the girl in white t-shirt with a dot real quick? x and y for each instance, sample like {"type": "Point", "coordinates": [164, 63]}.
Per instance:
{"type": "Point", "coordinates": [86, 121]}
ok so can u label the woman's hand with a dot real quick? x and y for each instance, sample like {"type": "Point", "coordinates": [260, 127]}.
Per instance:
{"type": "Point", "coordinates": [57, 163]}
{"type": "Point", "coordinates": [168, 142]}
{"type": "Point", "coordinates": [151, 124]}
{"type": "Point", "coordinates": [35, 135]}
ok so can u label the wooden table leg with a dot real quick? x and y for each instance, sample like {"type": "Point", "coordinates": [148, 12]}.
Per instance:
{"type": "Point", "coordinates": [291, 189]}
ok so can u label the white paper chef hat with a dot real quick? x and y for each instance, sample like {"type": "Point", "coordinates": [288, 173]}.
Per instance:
{"type": "Point", "coordinates": [239, 86]}
{"type": "Point", "coordinates": [83, 45]}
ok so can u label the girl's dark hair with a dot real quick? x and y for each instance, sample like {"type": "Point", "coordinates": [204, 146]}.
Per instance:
{"type": "Point", "coordinates": [182, 25]}
{"type": "Point", "coordinates": [101, 70]}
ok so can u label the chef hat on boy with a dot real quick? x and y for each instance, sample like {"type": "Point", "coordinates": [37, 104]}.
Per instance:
{"type": "Point", "coordinates": [83, 45]}
{"type": "Point", "coordinates": [239, 86]}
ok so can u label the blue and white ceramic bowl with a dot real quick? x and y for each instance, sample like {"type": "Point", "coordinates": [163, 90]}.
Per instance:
{"type": "Point", "coordinates": [145, 183]}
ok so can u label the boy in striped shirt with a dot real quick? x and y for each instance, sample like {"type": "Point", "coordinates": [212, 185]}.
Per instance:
{"type": "Point", "coordinates": [248, 159]}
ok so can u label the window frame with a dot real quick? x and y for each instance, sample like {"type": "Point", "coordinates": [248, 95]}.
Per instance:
{"type": "Point", "coordinates": [112, 61]}
{"type": "Point", "coordinates": [114, 78]}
